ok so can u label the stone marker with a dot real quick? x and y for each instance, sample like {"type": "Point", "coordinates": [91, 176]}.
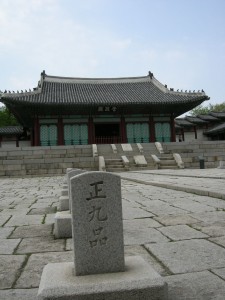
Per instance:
{"type": "Point", "coordinates": [140, 160]}
{"type": "Point", "coordinates": [98, 271]}
{"type": "Point", "coordinates": [64, 198]}
{"type": "Point", "coordinates": [71, 174]}
{"type": "Point", "coordinates": [63, 225]}
{"type": "Point", "coordinates": [126, 147]}
{"type": "Point", "coordinates": [97, 223]}
{"type": "Point", "coordinates": [63, 222]}
{"type": "Point", "coordinates": [221, 164]}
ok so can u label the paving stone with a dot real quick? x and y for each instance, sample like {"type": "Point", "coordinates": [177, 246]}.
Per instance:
{"type": "Point", "coordinates": [159, 208]}
{"type": "Point", "coordinates": [4, 219]}
{"type": "Point", "coordinates": [219, 272]}
{"type": "Point", "coordinates": [69, 244]}
{"type": "Point", "coordinates": [176, 220]}
{"type": "Point", "coordinates": [40, 244]}
{"type": "Point", "coordinates": [32, 231]}
{"type": "Point", "coordinates": [133, 196]}
{"type": "Point", "coordinates": [181, 232]}
{"type": "Point", "coordinates": [210, 217]}
{"type": "Point", "coordinates": [214, 230]}
{"type": "Point", "coordinates": [22, 219]}
{"type": "Point", "coordinates": [42, 211]}
{"type": "Point", "coordinates": [195, 286]}
{"type": "Point", "coordinates": [49, 219]}
{"type": "Point", "coordinates": [9, 266]}
{"type": "Point", "coordinates": [16, 211]}
{"type": "Point", "coordinates": [19, 294]}
{"type": "Point", "coordinates": [141, 251]}
{"type": "Point", "coordinates": [5, 232]}
{"type": "Point", "coordinates": [143, 236]}
{"type": "Point", "coordinates": [193, 206]}
{"type": "Point", "coordinates": [135, 213]}
{"type": "Point", "coordinates": [217, 203]}
{"type": "Point", "coordinates": [31, 274]}
{"type": "Point", "coordinates": [218, 240]}
{"type": "Point", "coordinates": [8, 246]}
{"type": "Point", "coordinates": [189, 256]}
{"type": "Point", "coordinates": [140, 223]}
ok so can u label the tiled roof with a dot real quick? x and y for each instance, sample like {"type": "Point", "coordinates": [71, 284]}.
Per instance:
{"type": "Point", "coordinates": [196, 120]}
{"type": "Point", "coordinates": [218, 114]}
{"type": "Point", "coordinates": [208, 117]}
{"type": "Point", "coordinates": [134, 95]}
{"type": "Point", "coordinates": [183, 122]}
{"type": "Point", "coordinates": [217, 129]}
{"type": "Point", "coordinates": [118, 91]}
{"type": "Point", "coordinates": [11, 130]}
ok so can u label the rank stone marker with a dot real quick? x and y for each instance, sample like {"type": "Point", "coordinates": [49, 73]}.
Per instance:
{"type": "Point", "coordinates": [63, 219]}
{"type": "Point", "coordinates": [97, 223]}
{"type": "Point", "coordinates": [99, 271]}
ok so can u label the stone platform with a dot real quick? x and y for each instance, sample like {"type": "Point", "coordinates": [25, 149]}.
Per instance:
{"type": "Point", "coordinates": [138, 281]}
{"type": "Point", "coordinates": [173, 219]}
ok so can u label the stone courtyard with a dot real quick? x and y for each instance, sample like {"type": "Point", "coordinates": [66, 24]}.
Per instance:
{"type": "Point", "coordinates": [174, 219]}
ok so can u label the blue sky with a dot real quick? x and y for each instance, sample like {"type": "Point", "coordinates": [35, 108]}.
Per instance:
{"type": "Point", "coordinates": [181, 41]}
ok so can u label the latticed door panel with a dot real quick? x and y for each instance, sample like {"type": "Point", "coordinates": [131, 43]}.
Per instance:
{"type": "Point", "coordinates": [84, 134]}
{"type": "Point", "coordinates": [67, 135]}
{"type": "Point", "coordinates": [76, 134]}
{"type": "Point", "coordinates": [166, 132]}
{"type": "Point", "coordinates": [130, 133]}
{"type": "Point", "coordinates": [158, 132]}
{"type": "Point", "coordinates": [137, 132]}
{"type": "Point", "coordinates": [48, 135]}
{"type": "Point", "coordinates": [145, 132]}
{"type": "Point", "coordinates": [44, 135]}
{"type": "Point", "coordinates": [162, 132]}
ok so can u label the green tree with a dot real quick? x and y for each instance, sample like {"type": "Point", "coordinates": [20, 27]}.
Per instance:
{"type": "Point", "coordinates": [7, 118]}
{"type": "Point", "coordinates": [202, 110]}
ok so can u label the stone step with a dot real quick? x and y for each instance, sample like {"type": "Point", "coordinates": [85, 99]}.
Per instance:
{"type": "Point", "coordinates": [168, 167]}
{"type": "Point", "coordinates": [114, 163]}
{"type": "Point", "coordinates": [165, 157]}
{"type": "Point", "coordinates": [115, 170]}
{"type": "Point", "coordinates": [168, 162]}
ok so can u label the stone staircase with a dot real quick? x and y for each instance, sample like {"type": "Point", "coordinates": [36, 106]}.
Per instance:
{"type": "Point", "coordinates": [167, 161]}
{"type": "Point", "coordinates": [114, 165]}
{"type": "Point", "coordinates": [114, 162]}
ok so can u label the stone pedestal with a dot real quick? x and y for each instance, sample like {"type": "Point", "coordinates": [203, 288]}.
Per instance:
{"type": "Point", "coordinates": [64, 203]}
{"type": "Point", "coordinates": [63, 225]}
{"type": "Point", "coordinates": [138, 282]}
{"type": "Point", "coordinates": [221, 164]}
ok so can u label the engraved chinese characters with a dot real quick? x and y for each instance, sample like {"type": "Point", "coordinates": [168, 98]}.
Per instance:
{"type": "Point", "coordinates": [97, 223]}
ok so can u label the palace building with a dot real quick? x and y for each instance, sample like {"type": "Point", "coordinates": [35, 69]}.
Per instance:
{"type": "Point", "coordinates": [76, 111]}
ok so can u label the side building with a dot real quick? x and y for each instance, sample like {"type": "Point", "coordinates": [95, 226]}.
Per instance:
{"type": "Point", "coordinates": [78, 111]}
{"type": "Point", "coordinates": [203, 127]}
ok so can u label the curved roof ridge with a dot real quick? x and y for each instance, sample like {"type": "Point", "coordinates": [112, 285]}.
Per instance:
{"type": "Point", "coordinates": [51, 78]}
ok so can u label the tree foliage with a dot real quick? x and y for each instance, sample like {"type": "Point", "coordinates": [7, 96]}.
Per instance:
{"type": "Point", "coordinates": [7, 118]}
{"type": "Point", "coordinates": [202, 110]}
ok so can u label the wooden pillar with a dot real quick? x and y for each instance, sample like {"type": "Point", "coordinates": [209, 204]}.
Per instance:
{"type": "Point", "coordinates": [36, 132]}
{"type": "Point", "coordinates": [60, 132]}
{"type": "Point", "coordinates": [172, 128]}
{"type": "Point", "coordinates": [182, 130]}
{"type": "Point", "coordinates": [123, 132]}
{"type": "Point", "coordinates": [91, 138]}
{"type": "Point", "coordinates": [195, 130]}
{"type": "Point", "coordinates": [152, 129]}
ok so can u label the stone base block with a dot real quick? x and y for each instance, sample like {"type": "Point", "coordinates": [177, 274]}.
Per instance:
{"type": "Point", "coordinates": [139, 282]}
{"type": "Point", "coordinates": [221, 165]}
{"type": "Point", "coordinates": [63, 225]}
{"type": "Point", "coordinates": [64, 203]}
